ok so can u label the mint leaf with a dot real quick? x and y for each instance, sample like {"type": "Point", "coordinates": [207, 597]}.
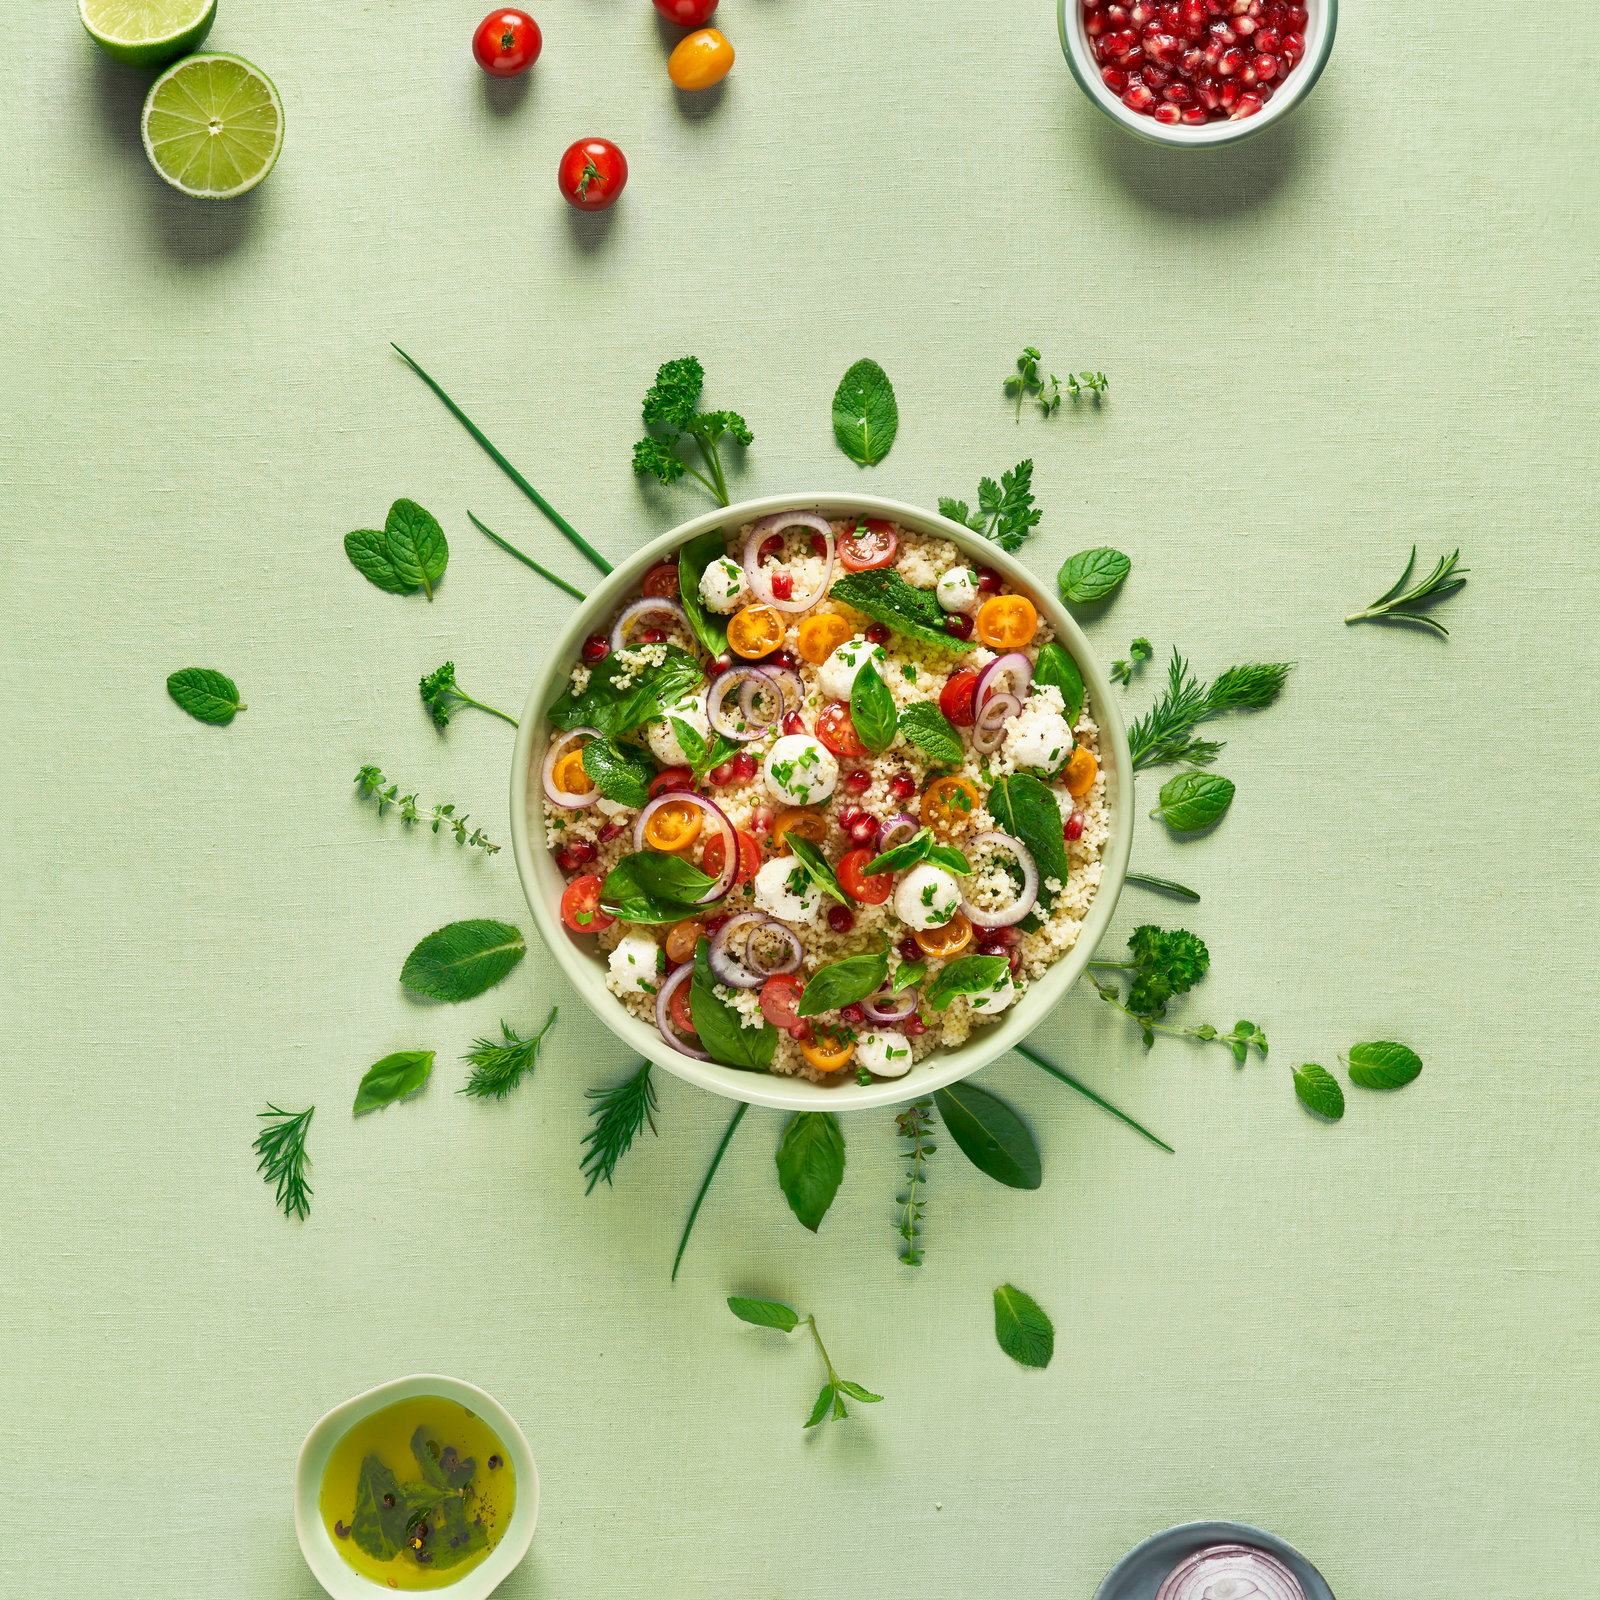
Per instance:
{"type": "Point", "coordinates": [720, 1027]}
{"type": "Point", "coordinates": [990, 1135]}
{"type": "Point", "coordinates": [843, 983]}
{"type": "Point", "coordinates": [1024, 1332]}
{"type": "Point", "coordinates": [827, 1399]}
{"type": "Point", "coordinates": [764, 1313]}
{"type": "Point", "coordinates": [378, 1529]}
{"type": "Point", "coordinates": [368, 550]}
{"type": "Point", "coordinates": [811, 1165]}
{"type": "Point", "coordinates": [1092, 574]}
{"type": "Point", "coordinates": [392, 1079]}
{"type": "Point", "coordinates": [1383, 1065]}
{"type": "Point", "coordinates": [463, 959]}
{"type": "Point", "coordinates": [417, 545]}
{"type": "Point", "coordinates": [964, 975]}
{"type": "Point", "coordinates": [926, 726]}
{"type": "Point", "coordinates": [1194, 800]}
{"type": "Point", "coordinates": [872, 710]}
{"type": "Point", "coordinates": [865, 416]}
{"type": "Point", "coordinates": [1319, 1089]}
{"type": "Point", "coordinates": [886, 597]}
{"type": "Point", "coordinates": [206, 695]}
{"type": "Point", "coordinates": [620, 775]}
{"type": "Point", "coordinates": [1055, 668]}
{"type": "Point", "coordinates": [856, 1392]}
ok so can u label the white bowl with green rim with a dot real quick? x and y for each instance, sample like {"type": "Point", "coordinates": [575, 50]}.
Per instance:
{"type": "Point", "coordinates": [585, 966]}
{"type": "Point", "coordinates": [1320, 29]}
{"type": "Point", "coordinates": [331, 1570]}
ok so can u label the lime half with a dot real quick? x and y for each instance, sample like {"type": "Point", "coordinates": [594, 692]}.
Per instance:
{"type": "Point", "coordinates": [148, 33]}
{"type": "Point", "coordinates": [213, 126]}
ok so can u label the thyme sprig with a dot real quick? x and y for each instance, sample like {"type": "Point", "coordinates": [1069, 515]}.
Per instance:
{"type": "Point", "coordinates": [915, 1124]}
{"type": "Point", "coordinates": [1444, 580]}
{"type": "Point", "coordinates": [372, 782]}
{"type": "Point", "coordinates": [619, 1114]}
{"type": "Point", "coordinates": [498, 1068]}
{"type": "Point", "coordinates": [282, 1148]}
{"type": "Point", "coordinates": [1164, 733]}
{"type": "Point", "coordinates": [442, 695]}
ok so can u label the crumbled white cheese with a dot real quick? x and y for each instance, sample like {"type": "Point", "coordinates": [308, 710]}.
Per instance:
{"type": "Point", "coordinates": [958, 590]}
{"type": "Point", "coordinates": [634, 966]}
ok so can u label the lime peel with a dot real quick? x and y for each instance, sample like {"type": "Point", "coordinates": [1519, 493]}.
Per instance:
{"type": "Point", "coordinates": [147, 33]}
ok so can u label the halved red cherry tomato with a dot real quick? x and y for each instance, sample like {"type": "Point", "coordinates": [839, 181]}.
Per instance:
{"type": "Point", "coordinates": [506, 43]}
{"type": "Point", "coordinates": [671, 778]}
{"type": "Point", "coordinates": [678, 1006]}
{"type": "Point", "coordinates": [780, 1000]}
{"type": "Point", "coordinates": [870, 891]}
{"type": "Point", "coordinates": [712, 857]}
{"type": "Point", "coordinates": [661, 583]}
{"type": "Point", "coordinates": [873, 544]}
{"type": "Point", "coordinates": [580, 906]}
{"type": "Point", "coordinates": [837, 730]}
{"type": "Point", "coordinates": [591, 174]}
{"type": "Point", "coordinates": [955, 699]}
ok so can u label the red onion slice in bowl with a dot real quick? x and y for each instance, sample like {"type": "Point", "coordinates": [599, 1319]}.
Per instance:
{"type": "Point", "coordinates": [714, 813]}
{"type": "Point", "coordinates": [896, 830]}
{"type": "Point", "coordinates": [729, 968]}
{"type": "Point", "coordinates": [989, 731]}
{"type": "Point", "coordinates": [750, 678]}
{"type": "Point", "coordinates": [560, 797]}
{"type": "Point", "coordinates": [787, 684]}
{"type": "Point", "coordinates": [897, 1008]}
{"type": "Point", "coordinates": [649, 606]}
{"type": "Point", "coordinates": [664, 1012]}
{"type": "Point", "coordinates": [1015, 667]}
{"type": "Point", "coordinates": [760, 584]}
{"type": "Point", "coordinates": [1025, 901]}
{"type": "Point", "coordinates": [791, 962]}
{"type": "Point", "coordinates": [1230, 1572]}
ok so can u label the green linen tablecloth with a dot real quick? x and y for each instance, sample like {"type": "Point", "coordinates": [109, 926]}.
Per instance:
{"type": "Point", "coordinates": [1371, 326]}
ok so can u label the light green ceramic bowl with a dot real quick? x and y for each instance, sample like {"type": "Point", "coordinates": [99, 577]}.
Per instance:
{"type": "Point", "coordinates": [542, 880]}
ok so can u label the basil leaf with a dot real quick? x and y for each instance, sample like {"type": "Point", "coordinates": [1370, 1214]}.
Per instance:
{"type": "Point", "coordinates": [1025, 808]}
{"type": "Point", "coordinates": [1024, 1332]}
{"type": "Point", "coordinates": [764, 1313]}
{"type": "Point", "coordinates": [368, 550]}
{"type": "Point", "coordinates": [947, 856]}
{"type": "Point", "coordinates": [710, 629]}
{"type": "Point", "coordinates": [964, 975]}
{"type": "Point", "coordinates": [463, 959]}
{"type": "Point", "coordinates": [924, 724]}
{"type": "Point", "coordinates": [901, 856]}
{"type": "Point", "coordinates": [417, 545]}
{"type": "Point", "coordinates": [1056, 669]}
{"type": "Point", "coordinates": [872, 710]}
{"type": "Point", "coordinates": [456, 1538]}
{"type": "Point", "coordinates": [824, 1400]}
{"type": "Point", "coordinates": [1093, 574]}
{"type": "Point", "coordinates": [816, 865]}
{"type": "Point", "coordinates": [1319, 1089]}
{"type": "Point", "coordinates": [865, 417]}
{"type": "Point", "coordinates": [811, 1165]}
{"type": "Point", "coordinates": [843, 983]}
{"type": "Point", "coordinates": [886, 597]}
{"type": "Point", "coordinates": [378, 1529]}
{"type": "Point", "coordinates": [623, 776]}
{"type": "Point", "coordinates": [1383, 1066]}
{"type": "Point", "coordinates": [854, 1390]}
{"type": "Point", "coordinates": [613, 711]}
{"type": "Point", "coordinates": [991, 1135]}
{"type": "Point", "coordinates": [690, 742]}
{"type": "Point", "coordinates": [720, 1027]}
{"type": "Point", "coordinates": [669, 877]}
{"type": "Point", "coordinates": [908, 973]}
{"type": "Point", "coordinates": [392, 1079]}
{"type": "Point", "coordinates": [206, 695]}
{"type": "Point", "coordinates": [1194, 800]}
{"type": "Point", "coordinates": [654, 888]}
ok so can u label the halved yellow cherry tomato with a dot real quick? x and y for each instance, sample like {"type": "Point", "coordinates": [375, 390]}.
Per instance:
{"type": "Point", "coordinates": [570, 778]}
{"type": "Point", "coordinates": [821, 635]}
{"type": "Point", "coordinates": [673, 828]}
{"type": "Point", "coordinates": [955, 935]}
{"type": "Point", "coordinates": [949, 805]}
{"type": "Point", "coordinates": [1007, 622]}
{"type": "Point", "coordinates": [755, 631]}
{"type": "Point", "coordinates": [827, 1052]}
{"type": "Point", "coordinates": [700, 60]}
{"type": "Point", "coordinates": [681, 940]}
{"type": "Point", "coordinates": [1081, 770]}
{"type": "Point", "coordinates": [807, 825]}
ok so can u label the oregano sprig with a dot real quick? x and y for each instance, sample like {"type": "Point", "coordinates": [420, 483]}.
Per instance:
{"type": "Point", "coordinates": [441, 695]}
{"type": "Point", "coordinates": [619, 1113]}
{"type": "Point", "coordinates": [372, 782]}
{"type": "Point", "coordinates": [498, 1068]}
{"type": "Point", "coordinates": [282, 1148]}
{"type": "Point", "coordinates": [915, 1123]}
{"type": "Point", "coordinates": [1026, 383]}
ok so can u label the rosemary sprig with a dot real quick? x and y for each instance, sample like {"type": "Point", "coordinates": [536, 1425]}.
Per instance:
{"type": "Point", "coordinates": [372, 782]}
{"type": "Point", "coordinates": [711, 1172]}
{"type": "Point", "coordinates": [621, 1111]}
{"type": "Point", "coordinates": [1445, 579]}
{"type": "Point", "coordinates": [544, 572]}
{"type": "Point", "coordinates": [441, 696]}
{"type": "Point", "coordinates": [1163, 733]}
{"type": "Point", "coordinates": [915, 1124]}
{"type": "Point", "coordinates": [498, 1068]}
{"type": "Point", "coordinates": [282, 1148]}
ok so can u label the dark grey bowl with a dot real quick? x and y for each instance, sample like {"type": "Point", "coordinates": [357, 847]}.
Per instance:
{"type": "Point", "coordinates": [1138, 1574]}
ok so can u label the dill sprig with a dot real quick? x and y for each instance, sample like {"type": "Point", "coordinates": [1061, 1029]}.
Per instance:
{"type": "Point", "coordinates": [621, 1111]}
{"type": "Point", "coordinates": [372, 782]}
{"type": "Point", "coordinates": [1163, 733]}
{"type": "Point", "coordinates": [498, 1068]}
{"type": "Point", "coordinates": [282, 1148]}
{"type": "Point", "coordinates": [441, 696]}
{"type": "Point", "coordinates": [1443, 580]}
{"type": "Point", "coordinates": [915, 1124]}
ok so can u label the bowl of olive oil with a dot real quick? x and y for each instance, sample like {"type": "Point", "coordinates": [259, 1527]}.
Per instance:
{"type": "Point", "coordinates": [423, 1483]}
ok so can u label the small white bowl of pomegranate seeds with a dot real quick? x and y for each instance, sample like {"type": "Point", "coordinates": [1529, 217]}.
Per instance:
{"type": "Point", "coordinates": [1197, 72]}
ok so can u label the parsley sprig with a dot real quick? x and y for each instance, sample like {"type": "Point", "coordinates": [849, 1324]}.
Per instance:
{"type": "Point", "coordinates": [282, 1148]}
{"type": "Point", "coordinates": [1006, 512]}
{"type": "Point", "coordinates": [670, 414]}
{"type": "Point", "coordinates": [1163, 733]}
{"type": "Point", "coordinates": [498, 1068]}
{"type": "Point", "coordinates": [441, 695]}
{"type": "Point", "coordinates": [372, 782]}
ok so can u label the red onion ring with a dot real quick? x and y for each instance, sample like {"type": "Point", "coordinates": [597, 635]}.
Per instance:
{"type": "Point", "coordinates": [787, 682]}
{"type": "Point", "coordinates": [664, 1013]}
{"type": "Point", "coordinates": [1024, 902]}
{"type": "Point", "coordinates": [788, 935]}
{"type": "Point", "coordinates": [899, 1008]}
{"type": "Point", "coordinates": [760, 584]}
{"type": "Point", "coordinates": [730, 840]}
{"type": "Point", "coordinates": [643, 608]}
{"type": "Point", "coordinates": [1230, 1572]}
{"type": "Point", "coordinates": [718, 718]}
{"type": "Point", "coordinates": [730, 969]}
{"type": "Point", "coordinates": [989, 731]}
{"type": "Point", "coordinates": [560, 797]}
{"type": "Point", "coordinates": [1013, 664]}
{"type": "Point", "coordinates": [886, 839]}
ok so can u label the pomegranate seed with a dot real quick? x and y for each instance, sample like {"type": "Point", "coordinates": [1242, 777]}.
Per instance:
{"type": "Point", "coordinates": [1118, 16]}
{"type": "Point", "coordinates": [1156, 78]}
{"type": "Point", "coordinates": [1244, 26]}
{"type": "Point", "coordinates": [761, 821]}
{"type": "Point", "coordinates": [583, 849]}
{"type": "Point", "coordinates": [1105, 48]}
{"type": "Point", "coordinates": [840, 919]}
{"type": "Point", "coordinates": [877, 634]}
{"type": "Point", "coordinates": [1116, 80]}
{"type": "Point", "coordinates": [780, 658]}
{"type": "Point", "coordinates": [990, 948]}
{"type": "Point", "coordinates": [819, 545]}
{"type": "Point", "coordinates": [650, 636]}
{"type": "Point", "coordinates": [566, 861]}
{"type": "Point", "coordinates": [744, 767]}
{"type": "Point", "coordinates": [1015, 958]}
{"type": "Point", "coordinates": [1138, 98]}
{"type": "Point", "coordinates": [1215, 8]}
{"type": "Point", "coordinates": [1162, 47]}
{"type": "Point", "coordinates": [1143, 14]}
{"type": "Point", "coordinates": [782, 585]}
{"type": "Point", "coordinates": [1231, 63]}
{"type": "Point", "coordinates": [1248, 76]}
{"type": "Point", "coordinates": [1210, 93]}
{"type": "Point", "coordinates": [1189, 62]}
{"type": "Point", "coordinates": [803, 1031]}
{"type": "Point", "coordinates": [857, 780]}
{"type": "Point", "coordinates": [1230, 95]}
{"type": "Point", "coordinates": [913, 1026]}
{"type": "Point", "coordinates": [1192, 19]}
{"type": "Point", "coordinates": [864, 829]}
{"type": "Point", "coordinates": [1249, 103]}
{"type": "Point", "coordinates": [610, 832]}
{"type": "Point", "coordinates": [794, 723]}
{"type": "Point", "coordinates": [1001, 936]}
{"type": "Point", "coordinates": [1095, 24]}
{"type": "Point", "coordinates": [1223, 34]}
{"type": "Point", "coordinates": [771, 548]}
{"type": "Point", "coordinates": [1074, 827]}
{"type": "Point", "coordinates": [1293, 46]}
{"type": "Point", "coordinates": [1166, 113]}
{"type": "Point", "coordinates": [957, 623]}
{"type": "Point", "coordinates": [1180, 94]}
{"type": "Point", "coordinates": [909, 950]}
{"type": "Point", "coordinates": [902, 786]}
{"type": "Point", "coordinates": [1195, 117]}
{"type": "Point", "coordinates": [1268, 41]}
{"type": "Point", "coordinates": [851, 1014]}
{"type": "Point", "coordinates": [848, 814]}
{"type": "Point", "coordinates": [722, 775]}
{"type": "Point", "coordinates": [721, 664]}
{"type": "Point", "coordinates": [988, 580]}
{"type": "Point", "coordinates": [596, 648]}
{"type": "Point", "coordinates": [1299, 18]}
{"type": "Point", "coordinates": [1093, 5]}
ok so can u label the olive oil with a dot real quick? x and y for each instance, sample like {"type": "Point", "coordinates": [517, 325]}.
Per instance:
{"type": "Point", "coordinates": [417, 1494]}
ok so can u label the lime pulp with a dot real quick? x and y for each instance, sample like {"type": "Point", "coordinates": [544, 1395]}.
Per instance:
{"type": "Point", "coordinates": [213, 126]}
{"type": "Point", "coordinates": [147, 33]}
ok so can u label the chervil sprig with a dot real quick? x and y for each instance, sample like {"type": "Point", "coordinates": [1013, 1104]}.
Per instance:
{"type": "Point", "coordinates": [372, 782]}
{"type": "Point", "coordinates": [441, 696]}
{"type": "Point", "coordinates": [1006, 512]}
{"type": "Point", "coordinates": [282, 1148]}
{"type": "Point", "coordinates": [915, 1124]}
{"type": "Point", "coordinates": [619, 1114]}
{"type": "Point", "coordinates": [498, 1068]}
{"type": "Point", "coordinates": [1163, 733]}
{"type": "Point", "coordinates": [1444, 580]}
{"type": "Point", "coordinates": [1139, 652]}
{"type": "Point", "coordinates": [670, 414]}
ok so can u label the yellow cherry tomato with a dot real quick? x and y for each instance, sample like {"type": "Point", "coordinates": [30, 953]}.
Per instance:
{"type": "Point", "coordinates": [821, 635]}
{"type": "Point", "coordinates": [1081, 770]}
{"type": "Point", "coordinates": [1007, 622]}
{"type": "Point", "coordinates": [700, 60]}
{"type": "Point", "coordinates": [807, 825]}
{"type": "Point", "coordinates": [756, 631]}
{"type": "Point", "coordinates": [955, 935]}
{"type": "Point", "coordinates": [682, 938]}
{"type": "Point", "coordinates": [673, 828]}
{"type": "Point", "coordinates": [569, 774]}
{"type": "Point", "coordinates": [949, 805]}
{"type": "Point", "coordinates": [827, 1052]}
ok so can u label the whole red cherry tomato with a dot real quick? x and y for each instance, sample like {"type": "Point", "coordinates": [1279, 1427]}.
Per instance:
{"type": "Point", "coordinates": [687, 13]}
{"type": "Point", "coordinates": [871, 545]}
{"type": "Point", "coordinates": [592, 174]}
{"type": "Point", "coordinates": [506, 43]}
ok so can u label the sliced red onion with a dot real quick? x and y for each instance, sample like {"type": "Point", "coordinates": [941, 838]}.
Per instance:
{"type": "Point", "coordinates": [760, 583]}
{"type": "Point", "coordinates": [1024, 902]}
{"type": "Point", "coordinates": [727, 966]}
{"type": "Point", "coordinates": [989, 730]}
{"type": "Point", "coordinates": [664, 1013]}
{"type": "Point", "coordinates": [1013, 665]}
{"type": "Point", "coordinates": [896, 1009]}
{"type": "Point", "coordinates": [787, 682]}
{"type": "Point", "coordinates": [751, 677]}
{"type": "Point", "coordinates": [1230, 1572]}
{"type": "Point", "coordinates": [560, 797]}
{"type": "Point", "coordinates": [791, 962]}
{"type": "Point", "coordinates": [896, 830]}
{"type": "Point", "coordinates": [648, 606]}
{"type": "Point", "coordinates": [714, 813]}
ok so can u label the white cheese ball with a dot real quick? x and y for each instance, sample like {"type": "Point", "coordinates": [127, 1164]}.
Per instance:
{"type": "Point", "coordinates": [927, 897]}
{"type": "Point", "coordinates": [957, 590]}
{"type": "Point", "coordinates": [722, 586]}
{"type": "Point", "coordinates": [785, 890]}
{"type": "Point", "coordinates": [886, 1055]}
{"type": "Point", "coordinates": [1038, 739]}
{"type": "Point", "coordinates": [799, 771]}
{"type": "Point", "coordinates": [998, 998]}
{"type": "Point", "coordinates": [836, 677]}
{"type": "Point", "coordinates": [664, 742]}
{"type": "Point", "coordinates": [634, 965]}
